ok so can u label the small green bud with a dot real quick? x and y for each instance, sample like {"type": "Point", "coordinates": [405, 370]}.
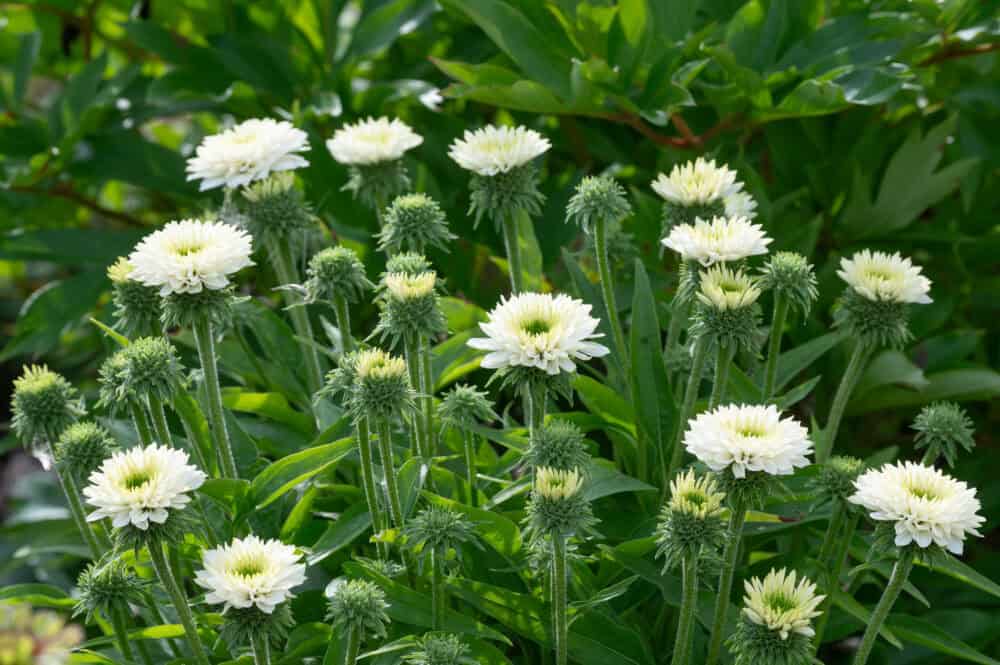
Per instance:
{"type": "Point", "coordinates": [106, 584]}
{"type": "Point", "coordinates": [874, 323]}
{"type": "Point", "coordinates": [440, 649]}
{"type": "Point", "coordinates": [836, 477]}
{"type": "Point", "coordinates": [558, 506]}
{"type": "Point", "coordinates": [558, 444]}
{"type": "Point", "coordinates": [414, 222]}
{"type": "Point", "coordinates": [138, 307]}
{"type": "Point", "coordinates": [411, 263]}
{"type": "Point", "coordinates": [336, 271]}
{"type": "Point", "coordinates": [410, 307]}
{"type": "Point", "coordinates": [358, 605]}
{"type": "Point", "coordinates": [151, 367]}
{"type": "Point", "coordinates": [44, 404]}
{"type": "Point", "coordinates": [113, 393]}
{"type": "Point", "coordinates": [382, 390]}
{"type": "Point", "coordinates": [464, 406]}
{"type": "Point", "coordinates": [340, 381]}
{"type": "Point", "coordinates": [791, 275]}
{"type": "Point", "coordinates": [942, 429]}
{"type": "Point", "coordinates": [597, 198]}
{"type": "Point", "coordinates": [439, 529]}
{"type": "Point", "coordinates": [276, 211]}
{"type": "Point", "coordinates": [691, 523]}
{"type": "Point", "coordinates": [82, 447]}
{"type": "Point", "coordinates": [505, 194]}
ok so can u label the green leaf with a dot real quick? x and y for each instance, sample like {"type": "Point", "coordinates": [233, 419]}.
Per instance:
{"type": "Point", "coordinates": [889, 368]}
{"type": "Point", "coordinates": [347, 528]}
{"type": "Point", "coordinates": [847, 603]}
{"type": "Point", "coordinates": [605, 402]}
{"type": "Point", "coordinates": [283, 475]}
{"type": "Point", "coordinates": [956, 569]}
{"type": "Point", "coordinates": [958, 385]}
{"type": "Point", "coordinates": [27, 54]}
{"type": "Point", "coordinates": [272, 406]}
{"type": "Point", "coordinates": [918, 631]}
{"type": "Point", "coordinates": [40, 595]}
{"type": "Point", "coordinates": [794, 361]}
{"type": "Point", "coordinates": [379, 28]}
{"type": "Point", "coordinates": [634, 15]}
{"type": "Point", "coordinates": [606, 480]}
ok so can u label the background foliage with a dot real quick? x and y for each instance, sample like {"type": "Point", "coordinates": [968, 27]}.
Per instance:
{"type": "Point", "coordinates": [855, 124]}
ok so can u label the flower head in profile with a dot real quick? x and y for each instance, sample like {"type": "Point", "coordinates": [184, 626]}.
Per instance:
{"type": "Point", "coordinates": [250, 151]}
{"type": "Point", "coordinates": [336, 271]}
{"type": "Point", "coordinates": [137, 307]}
{"type": "Point", "coordinates": [372, 141]}
{"type": "Point", "coordinates": [724, 289]}
{"type": "Point", "coordinates": [557, 484]}
{"type": "Point", "coordinates": [691, 523]}
{"type": "Point", "coordinates": [358, 605]}
{"type": "Point", "coordinates": [782, 603]}
{"type": "Point", "coordinates": [541, 331]}
{"type": "Point", "coordinates": [745, 438]}
{"type": "Point", "coordinates": [440, 649]}
{"type": "Point", "coordinates": [704, 189]}
{"type": "Point", "coordinates": [251, 572]}
{"type": "Point", "coordinates": [141, 486]}
{"type": "Point", "coordinates": [465, 406]}
{"type": "Point", "coordinates": [885, 277]}
{"type": "Point", "coordinates": [557, 504]}
{"type": "Point", "coordinates": [722, 239]}
{"type": "Point", "coordinates": [598, 199]}
{"type": "Point", "coordinates": [414, 222]}
{"type": "Point", "coordinates": [493, 150]}
{"type": "Point", "coordinates": [382, 386]}
{"type": "Point", "coordinates": [190, 256]}
{"type": "Point", "coordinates": [926, 506]}
{"type": "Point", "coordinates": [558, 444]}
{"type": "Point", "coordinates": [82, 447]}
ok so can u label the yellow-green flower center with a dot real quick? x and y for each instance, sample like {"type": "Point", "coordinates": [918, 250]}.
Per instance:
{"type": "Point", "coordinates": [780, 602]}
{"type": "Point", "coordinates": [137, 479]}
{"type": "Point", "coordinates": [536, 326]}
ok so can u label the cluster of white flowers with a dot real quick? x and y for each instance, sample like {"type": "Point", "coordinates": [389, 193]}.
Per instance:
{"type": "Point", "coordinates": [745, 438]}
{"type": "Point", "coordinates": [541, 331]}
{"type": "Point", "coordinates": [781, 603]}
{"type": "Point", "coordinates": [492, 150]}
{"type": "Point", "coordinates": [189, 256]}
{"type": "Point", "coordinates": [142, 485]}
{"type": "Point", "coordinates": [722, 239]}
{"type": "Point", "coordinates": [702, 182]}
{"type": "Point", "coordinates": [372, 141]}
{"type": "Point", "coordinates": [887, 277]}
{"type": "Point", "coordinates": [251, 572]}
{"type": "Point", "coordinates": [252, 150]}
{"type": "Point", "coordinates": [925, 505]}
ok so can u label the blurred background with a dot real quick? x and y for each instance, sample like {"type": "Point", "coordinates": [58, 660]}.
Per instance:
{"type": "Point", "coordinates": [854, 124]}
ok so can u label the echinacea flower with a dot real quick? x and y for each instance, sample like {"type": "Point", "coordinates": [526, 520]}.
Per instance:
{"type": "Point", "coordinates": [701, 183]}
{"type": "Point", "coordinates": [250, 151]}
{"type": "Point", "coordinates": [885, 277]}
{"type": "Point", "coordinates": [372, 141]}
{"type": "Point", "coordinates": [782, 603]}
{"type": "Point", "coordinates": [190, 255]}
{"type": "Point", "coordinates": [251, 572]}
{"type": "Point", "coordinates": [493, 150]}
{"type": "Point", "coordinates": [557, 484]}
{"type": "Point", "coordinates": [726, 289]}
{"type": "Point", "coordinates": [722, 239]}
{"type": "Point", "coordinates": [925, 505]}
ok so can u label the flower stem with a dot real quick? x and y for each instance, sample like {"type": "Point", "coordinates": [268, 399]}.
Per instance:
{"type": "Point", "coordinates": [689, 607]}
{"type": "Point", "coordinates": [205, 340]}
{"type": "Point", "coordinates": [560, 628]}
{"type": "Point", "coordinates": [119, 624]}
{"type": "Point", "coordinates": [724, 355]}
{"type": "Point", "coordinates": [75, 503]}
{"type": "Point", "coordinates": [438, 601]}
{"type": "Point", "coordinates": [368, 477]}
{"type": "Point", "coordinates": [832, 532]}
{"type": "Point", "coordinates": [284, 267]}
{"type": "Point", "coordinates": [513, 254]}
{"type": "Point", "coordinates": [537, 398]}
{"type": "Point", "coordinates": [343, 322]}
{"type": "Point", "coordinates": [411, 348]}
{"type": "Point", "coordinates": [179, 600]}
{"type": "Point", "coordinates": [737, 517]}
{"type": "Point", "coordinates": [774, 343]}
{"type": "Point", "coordinates": [859, 358]}
{"type": "Point", "coordinates": [468, 445]}
{"type": "Point", "coordinates": [608, 290]}
{"type": "Point", "coordinates": [389, 471]}
{"type": "Point", "coordinates": [353, 646]}
{"type": "Point", "coordinates": [687, 407]}
{"type": "Point", "coordinates": [836, 563]}
{"type": "Point", "coordinates": [896, 581]}
{"type": "Point", "coordinates": [141, 423]}
{"type": "Point", "coordinates": [261, 649]}
{"type": "Point", "coordinates": [427, 400]}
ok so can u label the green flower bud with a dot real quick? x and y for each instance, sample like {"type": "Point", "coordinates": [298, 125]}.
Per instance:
{"type": "Point", "coordinates": [340, 381]}
{"type": "Point", "coordinates": [336, 271]}
{"type": "Point", "coordinates": [138, 308]}
{"type": "Point", "coordinates": [107, 584]}
{"type": "Point", "coordinates": [505, 194]}
{"type": "Point", "coordinates": [597, 198]}
{"type": "Point", "coordinates": [382, 390]}
{"type": "Point", "coordinates": [942, 428]}
{"type": "Point", "coordinates": [44, 404]}
{"type": "Point", "coordinates": [557, 505]}
{"type": "Point", "coordinates": [874, 323]}
{"type": "Point", "coordinates": [150, 367]}
{"type": "Point", "coordinates": [791, 275]}
{"type": "Point", "coordinates": [82, 447]}
{"type": "Point", "coordinates": [691, 523]}
{"type": "Point", "coordinates": [410, 263]}
{"type": "Point", "coordinates": [114, 393]}
{"type": "Point", "coordinates": [439, 529]}
{"type": "Point", "coordinates": [358, 605]}
{"type": "Point", "coordinates": [727, 308]}
{"type": "Point", "coordinates": [440, 649]}
{"type": "Point", "coordinates": [414, 222]}
{"type": "Point", "coordinates": [836, 478]}
{"type": "Point", "coordinates": [383, 180]}
{"type": "Point", "coordinates": [464, 406]}
{"type": "Point", "coordinates": [558, 444]}
{"type": "Point", "coordinates": [276, 210]}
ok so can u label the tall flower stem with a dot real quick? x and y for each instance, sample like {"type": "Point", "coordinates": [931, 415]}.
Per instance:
{"type": "Point", "coordinates": [343, 314]}
{"type": "Point", "coordinates": [427, 400]}
{"type": "Point", "coordinates": [141, 423]}
{"type": "Point", "coordinates": [389, 471]}
{"type": "Point", "coordinates": [261, 650]}
{"type": "Point", "coordinates": [724, 356]}
{"type": "Point", "coordinates": [368, 477]}
{"type": "Point", "coordinates": [513, 254]}
{"type": "Point", "coordinates": [689, 608]}
{"type": "Point", "coordinates": [469, 448]}
{"type": "Point", "coordinates": [179, 601]}
{"type": "Point", "coordinates": [737, 517]}
{"type": "Point", "coordinates": [438, 601]}
{"type": "Point", "coordinates": [204, 338]}
{"type": "Point", "coordinates": [560, 628]}
{"type": "Point", "coordinates": [120, 626]}
{"type": "Point", "coordinates": [836, 562]}
{"type": "Point", "coordinates": [774, 343]}
{"type": "Point", "coordinates": [411, 348]}
{"type": "Point", "coordinates": [833, 530]}
{"type": "Point", "coordinates": [353, 646]}
{"type": "Point", "coordinates": [856, 365]}
{"type": "Point", "coordinates": [536, 399]}
{"type": "Point", "coordinates": [284, 267]}
{"type": "Point", "coordinates": [608, 291]}
{"type": "Point", "coordinates": [687, 406]}
{"type": "Point", "coordinates": [896, 581]}
{"type": "Point", "coordinates": [75, 503]}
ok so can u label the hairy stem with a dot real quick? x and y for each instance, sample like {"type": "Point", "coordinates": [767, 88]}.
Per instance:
{"type": "Point", "coordinates": [368, 477]}
{"type": "Point", "coordinates": [608, 291]}
{"type": "Point", "coordinates": [560, 628]}
{"type": "Point", "coordinates": [179, 601]}
{"type": "Point", "coordinates": [411, 348]}
{"type": "Point", "coordinates": [896, 581]}
{"type": "Point", "coordinates": [859, 358]}
{"type": "Point", "coordinates": [261, 649]}
{"type": "Point", "coordinates": [469, 448]}
{"type": "Point", "coordinates": [343, 322]}
{"type": "Point", "coordinates": [120, 625]}
{"type": "Point", "coordinates": [838, 559]}
{"type": "Point", "coordinates": [287, 273]}
{"type": "Point", "coordinates": [75, 503]}
{"type": "Point", "coordinates": [687, 406]}
{"type": "Point", "coordinates": [774, 344]}
{"type": "Point", "coordinates": [724, 355]}
{"type": "Point", "coordinates": [689, 608]}
{"type": "Point", "coordinates": [353, 646]}
{"type": "Point", "coordinates": [205, 339]}
{"type": "Point", "coordinates": [438, 601]}
{"type": "Point", "coordinates": [513, 254]}
{"type": "Point", "coordinates": [389, 471]}
{"type": "Point", "coordinates": [141, 423]}
{"type": "Point", "coordinates": [427, 399]}
{"type": "Point", "coordinates": [737, 517]}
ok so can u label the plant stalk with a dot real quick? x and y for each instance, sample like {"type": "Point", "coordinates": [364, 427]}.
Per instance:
{"type": "Point", "coordinates": [859, 358]}
{"type": "Point", "coordinates": [427, 399]}
{"type": "Point", "coordinates": [513, 248]}
{"type": "Point", "coordinates": [469, 448]}
{"type": "Point", "coordinates": [608, 290]}
{"type": "Point", "coordinates": [75, 503]}
{"type": "Point", "coordinates": [896, 581]}
{"type": "Point", "coordinates": [205, 340]}
{"type": "Point", "coordinates": [261, 650]}
{"type": "Point", "coordinates": [120, 626]}
{"type": "Point", "coordinates": [438, 600]}
{"type": "Point", "coordinates": [560, 628]}
{"type": "Point", "coordinates": [141, 423]}
{"type": "Point", "coordinates": [353, 646]}
{"type": "Point", "coordinates": [179, 601]}
{"type": "Point", "coordinates": [343, 314]}
{"type": "Point", "coordinates": [368, 478]}
{"type": "Point", "coordinates": [724, 355]}
{"type": "Point", "coordinates": [411, 349]}
{"type": "Point", "coordinates": [836, 563]}
{"type": "Point", "coordinates": [774, 344]}
{"type": "Point", "coordinates": [389, 471]}
{"type": "Point", "coordinates": [287, 273]}
{"type": "Point", "coordinates": [737, 517]}
{"type": "Point", "coordinates": [689, 608]}
{"type": "Point", "coordinates": [687, 407]}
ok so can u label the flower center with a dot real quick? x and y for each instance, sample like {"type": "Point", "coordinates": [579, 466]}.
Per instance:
{"type": "Point", "coordinates": [248, 569]}
{"type": "Point", "coordinates": [922, 493]}
{"type": "Point", "coordinates": [780, 602]}
{"type": "Point", "coordinates": [878, 275]}
{"type": "Point", "coordinates": [137, 479]}
{"type": "Point", "coordinates": [186, 250]}
{"type": "Point", "coordinates": [536, 326]}
{"type": "Point", "coordinates": [696, 498]}
{"type": "Point", "coordinates": [751, 431]}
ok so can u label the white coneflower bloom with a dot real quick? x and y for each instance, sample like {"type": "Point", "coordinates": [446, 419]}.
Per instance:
{"type": "Point", "coordinates": [406, 286]}
{"type": "Point", "coordinates": [557, 484]}
{"type": "Point", "coordinates": [142, 485]}
{"type": "Point", "coordinates": [722, 239]}
{"type": "Point", "coordinates": [695, 496]}
{"type": "Point", "coordinates": [190, 255]}
{"type": "Point", "coordinates": [541, 331]}
{"type": "Point", "coordinates": [701, 182]}
{"type": "Point", "coordinates": [881, 276]}
{"type": "Point", "coordinates": [252, 150]}
{"type": "Point", "coordinates": [372, 141]}
{"type": "Point", "coordinates": [781, 603]}
{"type": "Point", "coordinates": [743, 437]}
{"type": "Point", "coordinates": [251, 572]}
{"type": "Point", "coordinates": [926, 505]}
{"type": "Point", "coordinates": [492, 150]}
{"type": "Point", "coordinates": [723, 288]}
{"type": "Point", "coordinates": [376, 363]}
{"type": "Point", "coordinates": [740, 204]}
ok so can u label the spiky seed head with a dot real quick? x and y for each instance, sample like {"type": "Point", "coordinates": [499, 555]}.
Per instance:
{"type": "Point", "coordinates": [151, 366]}
{"type": "Point", "coordinates": [414, 222]}
{"type": "Point", "coordinates": [727, 309]}
{"type": "Point", "coordinates": [410, 307]}
{"type": "Point", "coordinates": [276, 211]}
{"type": "Point", "coordinates": [340, 381]}
{"type": "Point", "coordinates": [440, 649]}
{"type": "Point", "coordinates": [505, 195]}
{"type": "Point", "coordinates": [557, 505]}
{"type": "Point", "coordinates": [358, 605]}
{"type": "Point", "coordinates": [105, 585]}
{"type": "Point", "coordinates": [82, 447]}
{"type": "Point", "coordinates": [44, 404]}
{"type": "Point", "coordinates": [873, 323]}
{"type": "Point", "coordinates": [113, 391]}
{"type": "Point", "coordinates": [411, 263]}
{"type": "Point", "coordinates": [791, 276]}
{"type": "Point", "coordinates": [184, 310]}
{"type": "Point", "coordinates": [375, 183]}
{"type": "Point", "coordinates": [836, 477]}
{"type": "Point", "coordinates": [336, 271]}
{"type": "Point", "coordinates": [383, 388]}
{"type": "Point", "coordinates": [137, 307]}
{"type": "Point", "coordinates": [942, 429]}
{"type": "Point", "coordinates": [597, 198]}
{"type": "Point", "coordinates": [558, 444]}
{"type": "Point", "coordinates": [438, 528]}
{"type": "Point", "coordinates": [464, 405]}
